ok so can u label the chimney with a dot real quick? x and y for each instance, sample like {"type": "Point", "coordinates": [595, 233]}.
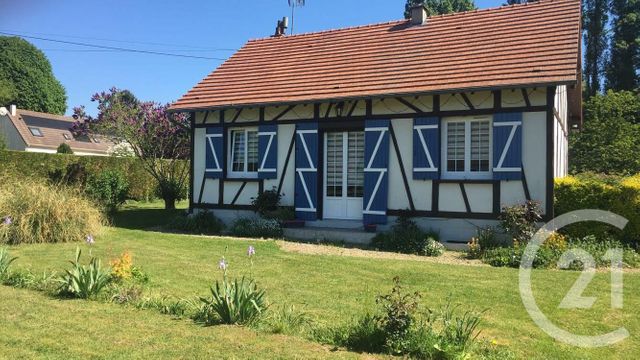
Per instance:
{"type": "Point", "coordinates": [13, 110]}
{"type": "Point", "coordinates": [419, 14]}
{"type": "Point", "coordinates": [282, 26]}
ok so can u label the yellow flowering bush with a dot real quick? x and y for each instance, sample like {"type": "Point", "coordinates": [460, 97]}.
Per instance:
{"type": "Point", "coordinates": [122, 267]}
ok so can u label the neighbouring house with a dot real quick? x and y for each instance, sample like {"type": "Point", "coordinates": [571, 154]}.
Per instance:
{"type": "Point", "coordinates": [444, 118]}
{"type": "Point", "coordinates": [33, 131]}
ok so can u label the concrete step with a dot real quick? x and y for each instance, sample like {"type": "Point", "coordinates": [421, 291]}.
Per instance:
{"type": "Point", "coordinates": [455, 246]}
{"type": "Point", "coordinates": [327, 234]}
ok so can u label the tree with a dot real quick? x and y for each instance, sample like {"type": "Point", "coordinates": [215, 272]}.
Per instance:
{"type": "Point", "coordinates": [610, 139]}
{"type": "Point", "coordinates": [27, 78]}
{"type": "Point", "coordinates": [438, 7]}
{"type": "Point", "coordinates": [623, 70]}
{"type": "Point", "coordinates": [64, 148]}
{"type": "Point", "coordinates": [594, 21]}
{"type": "Point", "coordinates": [160, 139]}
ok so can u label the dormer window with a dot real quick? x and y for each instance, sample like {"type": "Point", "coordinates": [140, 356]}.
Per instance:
{"type": "Point", "coordinates": [35, 131]}
{"type": "Point", "coordinates": [66, 136]}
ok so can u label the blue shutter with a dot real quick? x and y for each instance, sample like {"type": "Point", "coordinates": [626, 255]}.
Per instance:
{"type": "Point", "coordinates": [426, 148]}
{"type": "Point", "coordinates": [214, 154]}
{"type": "Point", "coordinates": [507, 146]}
{"type": "Point", "coordinates": [376, 169]}
{"type": "Point", "coordinates": [306, 188]}
{"type": "Point", "coordinates": [268, 151]}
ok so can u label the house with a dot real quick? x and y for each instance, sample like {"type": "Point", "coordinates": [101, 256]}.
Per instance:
{"type": "Point", "coordinates": [443, 118]}
{"type": "Point", "coordinates": [33, 131]}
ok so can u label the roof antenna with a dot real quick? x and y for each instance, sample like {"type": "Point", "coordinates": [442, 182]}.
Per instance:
{"type": "Point", "coordinates": [281, 28]}
{"type": "Point", "coordinates": [293, 4]}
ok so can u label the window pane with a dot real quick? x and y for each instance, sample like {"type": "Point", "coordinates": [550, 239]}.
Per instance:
{"type": "Point", "coordinates": [238, 146]}
{"type": "Point", "coordinates": [334, 164]}
{"type": "Point", "coordinates": [455, 146]}
{"type": "Point", "coordinates": [480, 146]}
{"type": "Point", "coordinates": [355, 164]}
{"type": "Point", "coordinates": [252, 151]}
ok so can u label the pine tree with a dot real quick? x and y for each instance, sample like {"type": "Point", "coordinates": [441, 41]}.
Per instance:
{"type": "Point", "coordinates": [623, 70]}
{"type": "Point", "coordinates": [594, 20]}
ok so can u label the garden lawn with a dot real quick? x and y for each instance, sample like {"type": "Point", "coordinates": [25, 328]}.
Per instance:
{"type": "Point", "coordinates": [332, 289]}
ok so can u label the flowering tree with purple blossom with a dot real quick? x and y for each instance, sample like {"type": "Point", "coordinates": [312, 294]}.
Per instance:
{"type": "Point", "coordinates": [159, 138]}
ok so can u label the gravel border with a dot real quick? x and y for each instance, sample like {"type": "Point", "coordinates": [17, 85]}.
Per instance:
{"type": "Point", "coordinates": [449, 257]}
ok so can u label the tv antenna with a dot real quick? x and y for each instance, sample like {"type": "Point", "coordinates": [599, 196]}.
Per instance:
{"type": "Point", "coordinates": [293, 4]}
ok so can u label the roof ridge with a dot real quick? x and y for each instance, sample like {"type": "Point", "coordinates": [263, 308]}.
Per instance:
{"type": "Point", "coordinates": [453, 14]}
{"type": "Point", "coordinates": [45, 115]}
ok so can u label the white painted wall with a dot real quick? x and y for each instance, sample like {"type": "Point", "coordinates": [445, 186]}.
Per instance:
{"type": "Point", "coordinates": [450, 197]}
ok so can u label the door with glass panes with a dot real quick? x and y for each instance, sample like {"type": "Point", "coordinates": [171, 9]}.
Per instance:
{"type": "Point", "coordinates": [343, 175]}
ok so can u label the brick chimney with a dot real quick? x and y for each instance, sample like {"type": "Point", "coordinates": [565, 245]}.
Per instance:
{"type": "Point", "coordinates": [419, 14]}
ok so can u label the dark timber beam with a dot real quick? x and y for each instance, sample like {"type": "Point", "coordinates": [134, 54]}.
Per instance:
{"type": "Point", "coordinates": [465, 197]}
{"type": "Point", "coordinates": [409, 105]}
{"type": "Point", "coordinates": [497, 99]}
{"type": "Point", "coordinates": [284, 112]}
{"type": "Point", "coordinates": [407, 189]}
{"type": "Point", "coordinates": [467, 101]}
{"type": "Point", "coordinates": [235, 198]}
{"type": "Point", "coordinates": [192, 121]}
{"type": "Point", "coordinates": [353, 108]}
{"type": "Point", "coordinates": [525, 96]}
{"type": "Point", "coordinates": [236, 116]}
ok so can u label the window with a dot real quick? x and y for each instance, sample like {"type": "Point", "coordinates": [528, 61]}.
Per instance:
{"type": "Point", "coordinates": [467, 148]}
{"type": "Point", "coordinates": [243, 146]}
{"type": "Point", "coordinates": [35, 131]}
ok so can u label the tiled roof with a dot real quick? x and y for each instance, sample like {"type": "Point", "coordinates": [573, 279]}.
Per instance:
{"type": "Point", "coordinates": [53, 128]}
{"type": "Point", "coordinates": [530, 44]}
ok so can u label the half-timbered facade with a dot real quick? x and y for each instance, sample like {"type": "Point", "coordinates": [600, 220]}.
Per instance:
{"type": "Point", "coordinates": [446, 120]}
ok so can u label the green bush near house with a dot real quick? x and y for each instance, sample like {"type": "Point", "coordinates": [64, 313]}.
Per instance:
{"type": "Point", "coordinates": [109, 189]}
{"type": "Point", "coordinates": [406, 237]}
{"type": "Point", "coordinates": [620, 195]}
{"type": "Point", "coordinates": [64, 148]}
{"type": "Point", "coordinates": [39, 166]}
{"type": "Point", "coordinates": [256, 228]}
{"type": "Point", "coordinates": [202, 223]}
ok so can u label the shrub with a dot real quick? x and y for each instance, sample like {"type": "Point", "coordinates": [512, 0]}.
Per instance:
{"type": "Point", "coordinates": [202, 223]}
{"type": "Point", "coordinates": [502, 257]}
{"type": "Point", "coordinates": [588, 191]}
{"type": "Point", "coordinates": [288, 321]}
{"type": "Point", "coordinates": [40, 213]}
{"type": "Point", "coordinates": [401, 329]}
{"type": "Point", "coordinates": [27, 280]}
{"type": "Point", "coordinates": [75, 174]}
{"type": "Point", "coordinates": [519, 221]}
{"type": "Point", "coordinates": [233, 302]}
{"type": "Point", "coordinates": [399, 314]}
{"type": "Point", "coordinates": [126, 294]}
{"type": "Point", "coordinates": [433, 247]}
{"type": "Point", "coordinates": [122, 267]}
{"type": "Point", "coordinates": [5, 262]}
{"type": "Point", "coordinates": [39, 166]}
{"type": "Point", "coordinates": [64, 148]}
{"type": "Point", "coordinates": [109, 189]}
{"type": "Point", "coordinates": [177, 308]}
{"type": "Point", "coordinates": [84, 281]}
{"type": "Point", "coordinates": [406, 237]}
{"type": "Point", "coordinates": [256, 228]}
{"type": "Point", "coordinates": [266, 202]}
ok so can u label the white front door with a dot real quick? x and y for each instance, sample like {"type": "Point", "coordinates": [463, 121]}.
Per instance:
{"type": "Point", "coordinates": [343, 175]}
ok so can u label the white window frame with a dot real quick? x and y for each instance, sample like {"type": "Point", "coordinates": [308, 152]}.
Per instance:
{"type": "Point", "coordinates": [33, 131]}
{"type": "Point", "coordinates": [467, 174]}
{"type": "Point", "coordinates": [230, 157]}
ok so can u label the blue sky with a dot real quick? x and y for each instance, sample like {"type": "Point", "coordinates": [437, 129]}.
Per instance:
{"type": "Point", "coordinates": [207, 28]}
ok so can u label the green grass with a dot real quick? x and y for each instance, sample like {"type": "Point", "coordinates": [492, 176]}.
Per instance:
{"type": "Point", "coordinates": [331, 289]}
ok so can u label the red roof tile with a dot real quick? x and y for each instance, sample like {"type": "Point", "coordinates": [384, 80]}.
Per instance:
{"type": "Point", "coordinates": [530, 44]}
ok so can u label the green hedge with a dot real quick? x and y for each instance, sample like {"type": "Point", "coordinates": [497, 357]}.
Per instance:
{"type": "Point", "coordinates": [142, 186]}
{"type": "Point", "coordinates": [620, 195]}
